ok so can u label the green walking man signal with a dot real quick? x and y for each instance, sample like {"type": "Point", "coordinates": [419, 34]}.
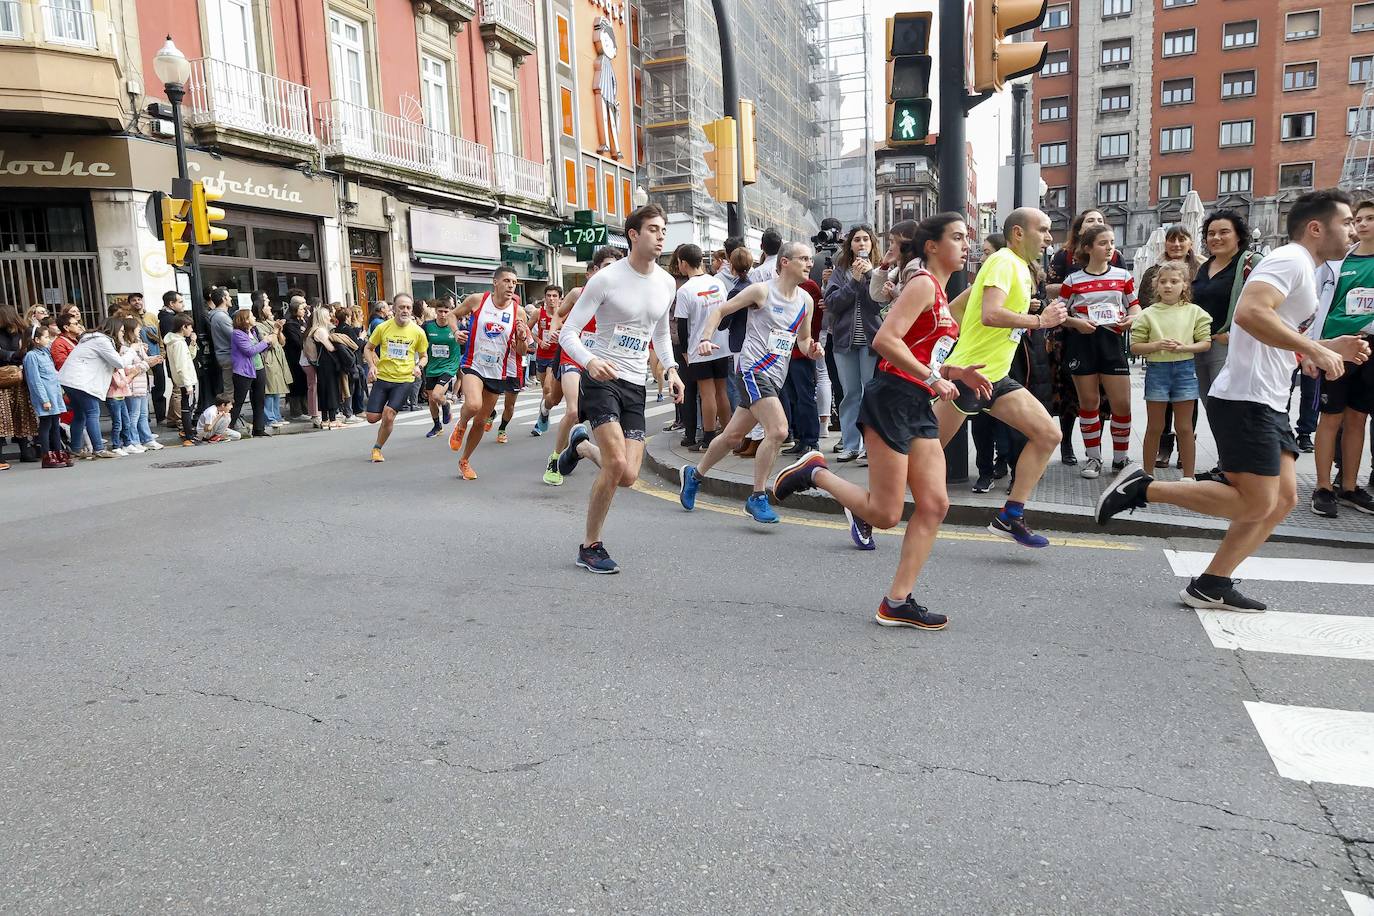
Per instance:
{"type": "Point", "coordinates": [908, 78]}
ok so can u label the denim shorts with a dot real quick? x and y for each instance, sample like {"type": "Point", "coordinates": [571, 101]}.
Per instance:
{"type": "Point", "coordinates": [1171, 381]}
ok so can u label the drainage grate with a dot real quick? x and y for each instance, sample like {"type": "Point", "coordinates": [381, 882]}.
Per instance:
{"type": "Point", "coordinates": [192, 463]}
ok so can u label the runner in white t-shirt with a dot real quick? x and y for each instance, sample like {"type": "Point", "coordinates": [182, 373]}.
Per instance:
{"type": "Point", "coordinates": [1247, 407]}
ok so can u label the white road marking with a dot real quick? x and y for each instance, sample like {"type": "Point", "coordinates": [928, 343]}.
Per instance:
{"type": "Point", "coordinates": [1312, 744]}
{"type": "Point", "coordinates": [1321, 635]}
{"type": "Point", "coordinates": [1359, 904]}
{"type": "Point", "coordinates": [1278, 569]}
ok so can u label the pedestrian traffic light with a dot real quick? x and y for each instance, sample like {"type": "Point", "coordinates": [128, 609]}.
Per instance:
{"type": "Point", "coordinates": [722, 160]}
{"type": "Point", "coordinates": [748, 143]}
{"type": "Point", "coordinates": [202, 215]}
{"type": "Point", "coordinates": [908, 78]}
{"type": "Point", "coordinates": [174, 211]}
{"type": "Point", "coordinates": [995, 60]}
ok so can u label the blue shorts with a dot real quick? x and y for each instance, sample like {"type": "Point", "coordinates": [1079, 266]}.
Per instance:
{"type": "Point", "coordinates": [543, 365]}
{"type": "Point", "coordinates": [1171, 381]}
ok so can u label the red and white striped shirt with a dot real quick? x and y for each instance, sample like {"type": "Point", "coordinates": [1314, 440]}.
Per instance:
{"type": "Point", "coordinates": [1104, 299]}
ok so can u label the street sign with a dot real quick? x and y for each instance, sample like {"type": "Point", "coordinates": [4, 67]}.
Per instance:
{"type": "Point", "coordinates": [583, 233]}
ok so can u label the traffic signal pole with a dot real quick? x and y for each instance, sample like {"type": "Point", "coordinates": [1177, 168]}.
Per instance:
{"type": "Point", "coordinates": [175, 93]}
{"type": "Point", "coordinates": [729, 85]}
{"type": "Point", "coordinates": [951, 161]}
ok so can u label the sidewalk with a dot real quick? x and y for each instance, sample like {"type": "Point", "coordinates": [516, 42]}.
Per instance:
{"type": "Point", "coordinates": [1064, 501]}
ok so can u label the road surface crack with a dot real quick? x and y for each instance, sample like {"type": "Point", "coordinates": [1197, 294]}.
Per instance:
{"type": "Point", "coordinates": [223, 696]}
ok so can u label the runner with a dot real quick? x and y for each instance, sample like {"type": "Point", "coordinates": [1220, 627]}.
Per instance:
{"type": "Point", "coordinates": [898, 421]}
{"type": "Point", "coordinates": [568, 382]}
{"type": "Point", "coordinates": [779, 316]}
{"type": "Point", "coordinates": [445, 352]}
{"type": "Point", "coordinates": [696, 298]}
{"type": "Point", "coordinates": [546, 354]}
{"type": "Point", "coordinates": [1248, 404]}
{"type": "Point", "coordinates": [1102, 304]}
{"type": "Point", "coordinates": [996, 313]}
{"type": "Point", "coordinates": [397, 352]}
{"type": "Point", "coordinates": [630, 300]}
{"type": "Point", "coordinates": [493, 363]}
{"type": "Point", "coordinates": [1346, 402]}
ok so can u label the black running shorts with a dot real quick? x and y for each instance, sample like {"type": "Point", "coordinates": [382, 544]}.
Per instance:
{"type": "Point", "coordinates": [388, 394]}
{"type": "Point", "coordinates": [970, 404]}
{"type": "Point", "coordinates": [1353, 390]}
{"type": "Point", "coordinates": [613, 401]}
{"type": "Point", "coordinates": [1251, 438]}
{"type": "Point", "coordinates": [1103, 352]}
{"type": "Point", "coordinates": [897, 410]}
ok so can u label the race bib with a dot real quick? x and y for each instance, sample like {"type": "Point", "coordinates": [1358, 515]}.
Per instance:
{"type": "Point", "coordinates": [1016, 335]}
{"type": "Point", "coordinates": [1360, 301]}
{"type": "Point", "coordinates": [550, 338]}
{"type": "Point", "coordinates": [1104, 313]}
{"type": "Point", "coordinates": [440, 351]}
{"type": "Point", "coordinates": [780, 343]}
{"type": "Point", "coordinates": [940, 352]}
{"type": "Point", "coordinates": [489, 364]}
{"type": "Point", "coordinates": [397, 349]}
{"type": "Point", "coordinates": [628, 340]}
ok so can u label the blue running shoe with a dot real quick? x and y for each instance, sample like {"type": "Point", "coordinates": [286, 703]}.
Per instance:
{"type": "Point", "coordinates": [690, 482]}
{"type": "Point", "coordinates": [860, 532]}
{"type": "Point", "coordinates": [434, 430]}
{"type": "Point", "coordinates": [541, 425]}
{"type": "Point", "coordinates": [568, 458]}
{"type": "Point", "coordinates": [447, 415]}
{"type": "Point", "coordinates": [759, 510]}
{"type": "Point", "coordinates": [593, 558]}
{"type": "Point", "coordinates": [1014, 529]}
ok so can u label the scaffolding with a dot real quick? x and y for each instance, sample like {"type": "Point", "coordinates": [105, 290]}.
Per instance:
{"type": "Point", "coordinates": [1357, 173]}
{"type": "Point", "coordinates": [844, 183]}
{"type": "Point", "coordinates": [777, 63]}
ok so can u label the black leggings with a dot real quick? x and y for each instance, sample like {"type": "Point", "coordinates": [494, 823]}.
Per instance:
{"type": "Point", "coordinates": [50, 434]}
{"type": "Point", "coordinates": [255, 387]}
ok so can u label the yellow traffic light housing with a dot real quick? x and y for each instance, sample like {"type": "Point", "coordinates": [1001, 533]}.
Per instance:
{"type": "Point", "coordinates": [996, 61]}
{"type": "Point", "coordinates": [722, 160]}
{"type": "Point", "coordinates": [174, 211]}
{"type": "Point", "coordinates": [202, 215]}
{"type": "Point", "coordinates": [748, 143]}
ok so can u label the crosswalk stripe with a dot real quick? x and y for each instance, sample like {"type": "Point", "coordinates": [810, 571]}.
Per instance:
{"type": "Point", "coordinates": [1359, 904]}
{"type": "Point", "coordinates": [1312, 744]}
{"type": "Point", "coordinates": [1278, 569]}
{"type": "Point", "coordinates": [1320, 635]}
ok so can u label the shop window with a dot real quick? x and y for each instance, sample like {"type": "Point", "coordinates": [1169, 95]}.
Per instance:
{"type": "Point", "coordinates": [570, 181]}
{"type": "Point", "coordinates": [235, 246]}
{"type": "Point", "coordinates": [283, 245]}
{"type": "Point", "coordinates": [38, 228]}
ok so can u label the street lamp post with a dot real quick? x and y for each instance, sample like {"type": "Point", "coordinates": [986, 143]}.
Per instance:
{"type": "Point", "coordinates": [172, 67]}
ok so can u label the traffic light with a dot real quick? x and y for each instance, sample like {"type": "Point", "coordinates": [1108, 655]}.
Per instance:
{"type": "Point", "coordinates": [908, 78]}
{"type": "Point", "coordinates": [748, 143]}
{"type": "Point", "coordinates": [722, 160]}
{"type": "Point", "coordinates": [995, 60]}
{"type": "Point", "coordinates": [202, 215]}
{"type": "Point", "coordinates": [174, 212]}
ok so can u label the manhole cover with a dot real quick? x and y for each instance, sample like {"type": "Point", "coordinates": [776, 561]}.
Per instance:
{"type": "Point", "coordinates": [192, 463]}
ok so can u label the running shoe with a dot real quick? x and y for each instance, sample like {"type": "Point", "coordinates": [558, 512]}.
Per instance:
{"type": "Point", "coordinates": [377, 455]}
{"type": "Point", "coordinates": [1305, 444]}
{"type": "Point", "coordinates": [1014, 528]}
{"type": "Point", "coordinates": [446, 416]}
{"type": "Point", "coordinates": [109, 453]}
{"type": "Point", "coordinates": [797, 476]}
{"type": "Point", "coordinates": [1119, 463]}
{"type": "Point", "coordinates": [1324, 503]}
{"type": "Point", "coordinates": [120, 452]}
{"type": "Point", "coordinates": [568, 459]}
{"type": "Point", "coordinates": [860, 532]}
{"type": "Point", "coordinates": [154, 446]}
{"type": "Point", "coordinates": [999, 469]}
{"type": "Point", "coordinates": [1092, 468]}
{"type": "Point", "coordinates": [455, 438]}
{"type": "Point", "coordinates": [759, 510]}
{"type": "Point", "coordinates": [502, 438]}
{"type": "Point", "coordinates": [848, 456]}
{"type": "Point", "coordinates": [1126, 492]}
{"type": "Point", "coordinates": [541, 425]}
{"type": "Point", "coordinates": [486, 425]}
{"type": "Point", "coordinates": [983, 484]}
{"type": "Point", "coordinates": [434, 430]}
{"type": "Point", "coordinates": [1219, 598]}
{"type": "Point", "coordinates": [465, 470]}
{"type": "Point", "coordinates": [688, 484]}
{"type": "Point", "coordinates": [593, 558]}
{"type": "Point", "coordinates": [551, 475]}
{"type": "Point", "coordinates": [1358, 499]}
{"type": "Point", "coordinates": [908, 614]}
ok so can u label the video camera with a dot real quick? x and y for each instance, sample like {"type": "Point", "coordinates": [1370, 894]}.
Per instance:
{"type": "Point", "coordinates": [827, 243]}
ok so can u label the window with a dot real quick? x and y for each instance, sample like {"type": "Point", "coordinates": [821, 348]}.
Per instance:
{"type": "Point", "coordinates": [9, 21]}
{"type": "Point", "coordinates": [1240, 34]}
{"type": "Point", "coordinates": [1177, 92]}
{"type": "Point", "coordinates": [1237, 133]}
{"type": "Point", "coordinates": [906, 173]}
{"type": "Point", "coordinates": [1056, 17]}
{"type": "Point", "coordinates": [1170, 4]}
{"type": "Point", "coordinates": [610, 195]}
{"type": "Point", "coordinates": [1114, 8]}
{"type": "Point", "coordinates": [349, 61]}
{"type": "Point", "coordinates": [502, 123]}
{"type": "Point", "coordinates": [1056, 197]}
{"type": "Point", "coordinates": [434, 93]}
{"type": "Point", "coordinates": [1296, 176]}
{"type": "Point", "coordinates": [1182, 41]}
{"type": "Point", "coordinates": [1362, 69]}
{"type": "Point", "coordinates": [1056, 64]}
{"type": "Point", "coordinates": [1113, 192]}
{"type": "Point", "coordinates": [1176, 139]}
{"type": "Point", "coordinates": [1233, 181]}
{"type": "Point", "coordinates": [1174, 186]}
{"type": "Point", "coordinates": [627, 197]}
{"type": "Point", "coordinates": [1301, 126]}
{"type": "Point", "coordinates": [1055, 109]}
{"type": "Point", "coordinates": [1115, 98]}
{"type": "Point", "coordinates": [1298, 26]}
{"type": "Point", "coordinates": [1354, 124]}
{"type": "Point", "coordinates": [1362, 17]}
{"type": "Point", "coordinates": [570, 180]}
{"type": "Point", "coordinates": [1113, 146]}
{"type": "Point", "coordinates": [66, 22]}
{"type": "Point", "coordinates": [1116, 53]}
{"type": "Point", "coordinates": [590, 172]}
{"type": "Point", "coordinates": [565, 98]}
{"type": "Point", "coordinates": [1054, 153]}
{"type": "Point", "coordinates": [1237, 84]}
{"type": "Point", "coordinates": [904, 207]}
{"type": "Point", "coordinates": [1300, 76]}
{"type": "Point", "coordinates": [564, 54]}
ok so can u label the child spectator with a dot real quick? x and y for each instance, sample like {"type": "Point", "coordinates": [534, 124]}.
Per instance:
{"type": "Point", "coordinates": [213, 425]}
{"type": "Point", "coordinates": [46, 394]}
{"type": "Point", "coordinates": [180, 343]}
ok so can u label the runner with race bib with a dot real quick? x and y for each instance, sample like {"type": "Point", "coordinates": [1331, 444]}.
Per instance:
{"type": "Point", "coordinates": [445, 351]}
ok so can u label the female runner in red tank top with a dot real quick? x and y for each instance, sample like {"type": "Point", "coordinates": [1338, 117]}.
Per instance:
{"type": "Point", "coordinates": [898, 421]}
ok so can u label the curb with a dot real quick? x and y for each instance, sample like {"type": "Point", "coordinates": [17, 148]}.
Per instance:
{"type": "Point", "coordinates": [1048, 516]}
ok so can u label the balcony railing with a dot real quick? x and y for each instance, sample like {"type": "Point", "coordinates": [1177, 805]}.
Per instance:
{"type": "Point", "coordinates": [228, 95]}
{"type": "Point", "coordinates": [521, 177]}
{"type": "Point", "coordinates": [375, 136]}
{"type": "Point", "coordinates": [68, 24]}
{"type": "Point", "coordinates": [515, 15]}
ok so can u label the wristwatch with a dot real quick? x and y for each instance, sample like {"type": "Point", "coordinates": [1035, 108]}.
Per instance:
{"type": "Point", "coordinates": [935, 375]}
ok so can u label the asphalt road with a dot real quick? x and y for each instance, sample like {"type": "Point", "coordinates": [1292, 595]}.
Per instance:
{"type": "Point", "coordinates": [297, 682]}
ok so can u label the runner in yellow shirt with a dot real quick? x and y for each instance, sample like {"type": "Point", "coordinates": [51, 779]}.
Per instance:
{"type": "Point", "coordinates": [396, 354]}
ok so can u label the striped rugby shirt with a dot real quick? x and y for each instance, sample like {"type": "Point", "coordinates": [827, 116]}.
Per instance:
{"type": "Point", "coordinates": [1099, 297]}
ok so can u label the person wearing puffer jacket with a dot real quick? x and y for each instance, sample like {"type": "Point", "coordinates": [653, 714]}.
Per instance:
{"type": "Point", "coordinates": [85, 377]}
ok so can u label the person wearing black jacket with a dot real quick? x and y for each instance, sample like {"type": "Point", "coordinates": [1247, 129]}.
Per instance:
{"type": "Point", "coordinates": [172, 306]}
{"type": "Point", "coordinates": [294, 331]}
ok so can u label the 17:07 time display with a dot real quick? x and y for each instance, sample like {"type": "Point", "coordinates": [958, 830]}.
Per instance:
{"type": "Point", "coordinates": [585, 235]}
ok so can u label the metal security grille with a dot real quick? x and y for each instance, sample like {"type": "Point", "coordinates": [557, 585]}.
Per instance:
{"type": "Point", "coordinates": [53, 280]}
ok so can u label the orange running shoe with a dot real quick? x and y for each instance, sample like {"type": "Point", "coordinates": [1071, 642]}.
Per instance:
{"type": "Point", "coordinates": [455, 438]}
{"type": "Point", "coordinates": [466, 470]}
{"type": "Point", "coordinates": [501, 438]}
{"type": "Point", "coordinates": [486, 427]}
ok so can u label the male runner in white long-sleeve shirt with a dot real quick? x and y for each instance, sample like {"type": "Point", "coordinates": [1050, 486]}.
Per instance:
{"type": "Point", "coordinates": [630, 301]}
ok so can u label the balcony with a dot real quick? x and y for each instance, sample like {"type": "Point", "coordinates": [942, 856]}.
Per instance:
{"type": "Point", "coordinates": [59, 66]}
{"type": "Point", "coordinates": [508, 25]}
{"type": "Point", "coordinates": [522, 178]}
{"type": "Point", "coordinates": [231, 105]}
{"type": "Point", "coordinates": [359, 139]}
{"type": "Point", "coordinates": [456, 13]}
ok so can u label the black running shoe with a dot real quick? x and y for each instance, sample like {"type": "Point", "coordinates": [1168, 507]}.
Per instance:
{"type": "Point", "coordinates": [908, 614]}
{"type": "Point", "coordinates": [1223, 598]}
{"type": "Point", "coordinates": [1305, 444]}
{"type": "Point", "coordinates": [1324, 503]}
{"type": "Point", "coordinates": [593, 558]}
{"type": "Point", "coordinates": [1126, 491]}
{"type": "Point", "coordinates": [569, 458]}
{"type": "Point", "coordinates": [797, 476]}
{"type": "Point", "coordinates": [1358, 499]}
{"type": "Point", "coordinates": [983, 484]}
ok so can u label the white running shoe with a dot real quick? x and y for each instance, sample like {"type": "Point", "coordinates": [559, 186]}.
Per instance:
{"type": "Point", "coordinates": [1092, 468]}
{"type": "Point", "coordinates": [120, 453]}
{"type": "Point", "coordinates": [155, 446]}
{"type": "Point", "coordinates": [135, 449]}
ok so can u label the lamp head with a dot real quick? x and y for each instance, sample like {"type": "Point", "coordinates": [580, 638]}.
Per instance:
{"type": "Point", "coordinates": [171, 66]}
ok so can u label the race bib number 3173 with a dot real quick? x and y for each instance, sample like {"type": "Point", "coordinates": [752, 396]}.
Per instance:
{"type": "Point", "coordinates": [628, 340]}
